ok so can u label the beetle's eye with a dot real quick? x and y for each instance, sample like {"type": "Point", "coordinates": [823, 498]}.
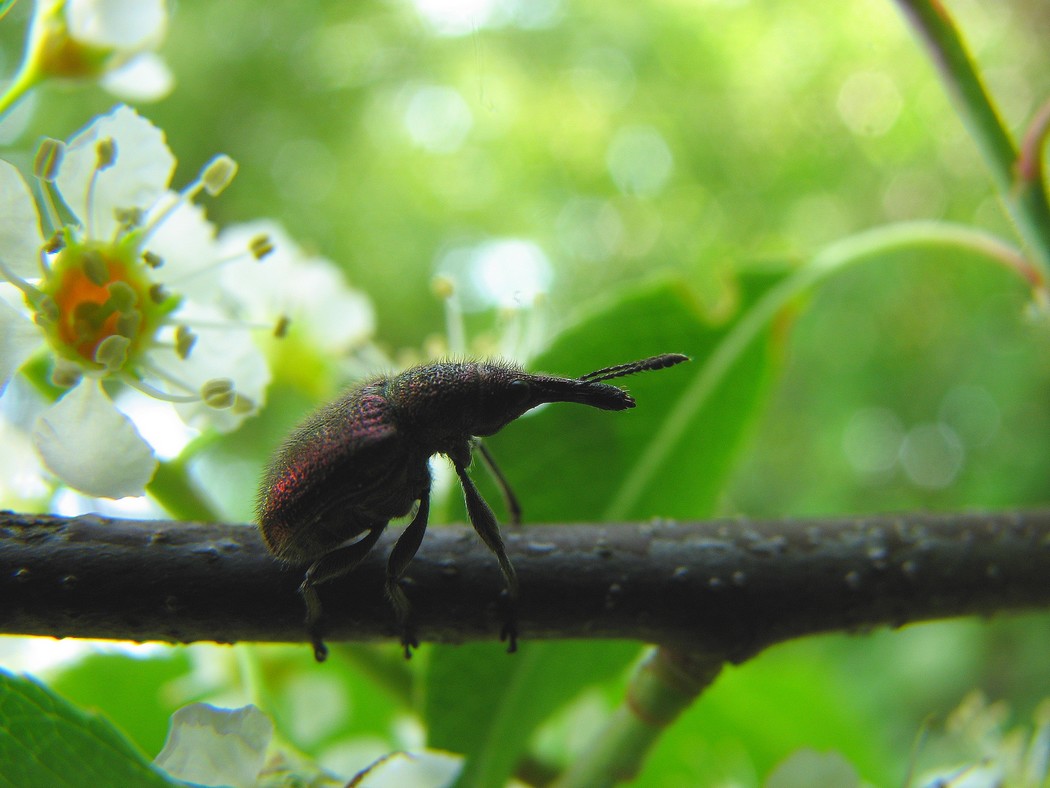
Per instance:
{"type": "Point", "coordinates": [520, 391]}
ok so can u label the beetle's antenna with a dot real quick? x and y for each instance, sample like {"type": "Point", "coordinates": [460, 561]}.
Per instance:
{"type": "Point", "coordinates": [620, 370]}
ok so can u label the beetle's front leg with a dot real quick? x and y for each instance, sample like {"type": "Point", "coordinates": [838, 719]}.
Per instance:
{"type": "Point", "coordinates": [484, 522]}
{"type": "Point", "coordinates": [331, 565]}
{"type": "Point", "coordinates": [404, 550]}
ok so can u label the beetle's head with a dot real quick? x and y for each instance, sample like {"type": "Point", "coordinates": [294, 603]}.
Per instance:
{"type": "Point", "coordinates": [505, 392]}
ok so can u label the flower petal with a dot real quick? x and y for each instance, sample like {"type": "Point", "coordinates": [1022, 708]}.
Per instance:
{"type": "Point", "coordinates": [120, 24]}
{"type": "Point", "coordinates": [146, 77]}
{"type": "Point", "coordinates": [22, 479]}
{"type": "Point", "coordinates": [223, 350]}
{"type": "Point", "coordinates": [309, 290]}
{"type": "Point", "coordinates": [185, 241]}
{"type": "Point", "coordinates": [19, 337]}
{"type": "Point", "coordinates": [139, 176]}
{"type": "Point", "coordinates": [20, 238]}
{"type": "Point", "coordinates": [225, 353]}
{"type": "Point", "coordinates": [93, 447]}
{"type": "Point", "coordinates": [213, 746]}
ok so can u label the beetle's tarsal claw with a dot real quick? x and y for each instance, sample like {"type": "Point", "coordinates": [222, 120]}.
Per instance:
{"type": "Point", "coordinates": [314, 616]}
{"type": "Point", "coordinates": [509, 632]}
{"type": "Point", "coordinates": [409, 641]}
{"type": "Point", "coordinates": [320, 649]}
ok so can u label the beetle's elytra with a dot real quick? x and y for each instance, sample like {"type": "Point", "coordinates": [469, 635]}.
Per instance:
{"type": "Point", "coordinates": [362, 460]}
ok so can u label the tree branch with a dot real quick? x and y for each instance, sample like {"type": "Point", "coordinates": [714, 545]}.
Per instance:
{"type": "Point", "coordinates": [728, 587]}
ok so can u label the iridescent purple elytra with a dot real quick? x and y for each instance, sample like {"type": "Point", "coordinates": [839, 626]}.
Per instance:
{"type": "Point", "coordinates": [362, 460]}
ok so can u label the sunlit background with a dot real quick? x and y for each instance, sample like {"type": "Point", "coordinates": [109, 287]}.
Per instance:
{"type": "Point", "coordinates": [534, 156]}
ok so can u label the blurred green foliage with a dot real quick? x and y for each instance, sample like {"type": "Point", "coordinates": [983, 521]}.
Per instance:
{"type": "Point", "coordinates": [713, 143]}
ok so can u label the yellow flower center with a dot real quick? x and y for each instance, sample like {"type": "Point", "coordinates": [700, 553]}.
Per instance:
{"type": "Point", "coordinates": [101, 307]}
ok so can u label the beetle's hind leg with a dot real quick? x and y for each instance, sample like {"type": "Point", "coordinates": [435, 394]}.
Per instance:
{"type": "Point", "coordinates": [337, 563]}
{"type": "Point", "coordinates": [509, 498]}
{"type": "Point", "coordinates": [404, 550]}
{"type": "Point", "coordinates": [484, 522]}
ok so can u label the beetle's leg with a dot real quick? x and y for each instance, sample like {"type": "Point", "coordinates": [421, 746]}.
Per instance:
{"type": "Point", "coordinates": [509, 498]}
{"type": "Point", "coordinates": [404, 549]}
{"type": "Point", "coordinates": [337, 563]}
{"type": "Point", "coordinates": [484, 522]}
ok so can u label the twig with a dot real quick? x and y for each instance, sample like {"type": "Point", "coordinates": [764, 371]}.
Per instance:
{"type": "Point", "coordinates": [727, 588]}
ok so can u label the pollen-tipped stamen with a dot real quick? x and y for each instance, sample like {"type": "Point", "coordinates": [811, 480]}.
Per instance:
{"type": "Point", "coordinates": [455, 329]}
{"type": "Point", "coordinates": [32, 294]}
{"type": "Point", "coordinates": [105, 157]}
{"type": "Point", "coordinates": [261, 246]}
{"type": "Point", "coordinates": [217, 174]}
{"type": "Point", "coordinates": [258, 247]}
{"type": "Point", "coordinates": [213, 178]}
{"type": "Point", "coordinates": [48, 159]}
{"type": "Point", "coordinates": [219, 393]}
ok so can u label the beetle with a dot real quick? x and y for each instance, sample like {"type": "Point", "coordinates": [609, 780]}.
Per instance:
{"type": "Point", "coordinates": [363, 460]}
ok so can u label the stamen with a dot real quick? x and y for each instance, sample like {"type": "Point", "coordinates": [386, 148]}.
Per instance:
{"type": "Point", "coordinates": [48, 159]}
{"type": "Point", "coordinates": [128, 324]}
{"type": "Point", "coordinates": [184, 342]}
{"type": "Point", "coordinates": [280, 329]}
{"type": "Point", "coordinates": [47, 311]}
{"type": "Point", "coordinates": [56, 243]}
{"type": "Point", "coordinates": [455, 330]}
{"type": "Point", "coordinates": [95, 267]}
{"type": "Point", "coordinates": [49, 214]}
{"type": "Point", "coordinates": [65, 375]}
{"type": "Point", "coordinates": [122, 296]}
{"type": "Point", "coordinates": [106, 154]}
{"type": "Point", "coordinates": [106, 151]}
{"type": "Point", "coordinates": [151, 259]}
{"type": "Point", "coordinates": [169, 378]}
{"type": "Point", "coordinates": [219, 393]}
{"type": "Point", "coordinates": [128, 219]}
{"type": "Point", "coordinates": [155, 393]}
{"type": "Point", "coordinates": [217, 174]}
{"type": "Point", "coordinates": [112, 352]}
{"type": "Point", "coordinates": [30, 292]}
{"type": "Point", "coordinates": [161, 216]}
{"type": "Point", "coordinates": [158, 294]}
{"type": "Point", "coordinates": [260, 246]}
{"type": "Point", "coordinates": [242, 405]}
{"type": "Point", "coordinates": [87, 319]}
{"type": "Point", "coordinates": [215, 325]}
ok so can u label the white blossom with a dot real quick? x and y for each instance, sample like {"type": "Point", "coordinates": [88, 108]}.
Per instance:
{"type": "Point", "coordinates": [93, 302]}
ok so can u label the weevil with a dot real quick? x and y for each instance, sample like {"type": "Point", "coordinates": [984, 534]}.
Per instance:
{"type": "Point", "coordinates": [363, 460]}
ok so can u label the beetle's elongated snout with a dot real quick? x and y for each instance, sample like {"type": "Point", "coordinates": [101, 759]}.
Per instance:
{"type": "Point", "coordinates": [597, 395]}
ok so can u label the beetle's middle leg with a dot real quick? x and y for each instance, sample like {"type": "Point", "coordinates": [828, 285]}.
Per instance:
{"type": "Point", "coordinates": [404, 550]}
{"type": "Point", "coordinates": [484, 522]}
{"type": "Point", "coordinates": [337, 563]}
{"type": "Point", "coordinates": [509, 498]}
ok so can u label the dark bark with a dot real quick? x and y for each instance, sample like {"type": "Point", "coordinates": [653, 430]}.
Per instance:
{"type": "Point", "coordinates": [727, 587]}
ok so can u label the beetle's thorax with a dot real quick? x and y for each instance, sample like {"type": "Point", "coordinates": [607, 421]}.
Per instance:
{"type": "Point", "coordinates": [441, 406]}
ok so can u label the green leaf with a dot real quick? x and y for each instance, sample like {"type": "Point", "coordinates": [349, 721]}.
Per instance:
{"type": "Point", "coordinates": [755, 716]}
{"type": "Point", "coordinates": [569, 463]}
{"type": "Point", "coordinates": [126, 691]}
{"type": "Point", "coordinates": [572, 463]}
{"type": "Point", "coordinates": [486, 703]}
{"type": "Point", "coordinates": [45, 740]}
